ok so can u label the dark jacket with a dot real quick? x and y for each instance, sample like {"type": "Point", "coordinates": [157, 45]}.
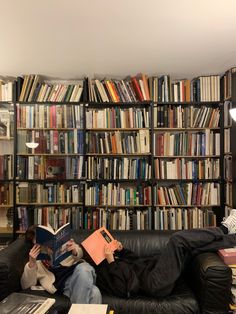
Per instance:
{"type": "Point", "coordinates": [125, 277]}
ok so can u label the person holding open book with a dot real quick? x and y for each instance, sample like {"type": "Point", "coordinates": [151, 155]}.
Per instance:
{"type": "Point", "coordinates": [73, 277]}
{"type": "Point", "coordinates": [124, 274]}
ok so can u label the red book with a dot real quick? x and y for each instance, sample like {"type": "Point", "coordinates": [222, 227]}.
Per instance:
{"type": "Point", "coordinates": [137, 88]}
{"type": "Point", "coordinates": [228, 255]}
{"type": "Point", "coordinates": [96, 242]}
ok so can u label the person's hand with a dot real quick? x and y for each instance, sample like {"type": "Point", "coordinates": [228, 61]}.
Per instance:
{"type": "Point", "coordinates": [119, 245]}
{"type": "Point", "coordinates": [72, 246]}
{"type": "Point", "coordinates": [33, 254]}
{"type": "Point", "coordinates": [109, 254]}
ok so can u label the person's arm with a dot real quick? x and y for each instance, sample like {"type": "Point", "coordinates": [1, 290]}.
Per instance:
{"type": "Point", "coordinates": [76, 250]}
{"type": "Point", "coordinates": [121, 275]}
{"type": "Point", "coordinates": [29, 276]}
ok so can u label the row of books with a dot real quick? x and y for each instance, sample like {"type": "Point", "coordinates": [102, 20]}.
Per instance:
{"type": "Point", "coordinates": [48, 215]}
{"type": "Point", "coordinates": [160, 89]}
{"type": "Point", "coordinates": [117, 168]}
{"type": "Point", "coordinates": [6, 194]}
{"type": "Point", "coordinates": [67, 116]}
{"type": "Point", "coordinates": [228, 167]}
{"type": "Point", "coordinates": [51, 141]}
{"type": "Point", "coordinates": [6, 89]}
{"type": "Point", "coordinates": [182, 218]}
{"type": "Point", "coordinates": [229, 194]}
{"type": "Point", "coordinates": [122, 194]}
{"type": "Point", "coordinates": [169, 143]}
{"type": "Point", "coordinates": [117, 117]}
{"type": "Point", "coordinates": [227, 141]}
{"type": "Point", "coordinates": [41, 167]}
{"type": "Point", "coordinates": [169, 116]}
{"type": "Point", "coordinates": [6, 123]}
{"type": "Point", "coordinates": [117, 142]}
{"type": "Point", "coordinates": [31, 88]}
{"type": "Point", "coordinates": [181, 168]}
{"type": "Point", "coordinates": [6, 167]}
{"type": "Point", "coordinates": [198, 194]}
{"type": "Point", "coordinates": [131, 89]}
{"type": "Point", "coordinates": [228, 83]}
{"type": "Point", "coordinates": [195, 143]}
{"type": "Point", "coordinates": [49, 116]}
{"type": "Point", "coordinates": [117, 194]}
{"type": "Point", "coordinates": [119, 219]}
{"type": "Point", "coordinates": [227, 117]}
{"type": "Point", "coordinates": [131, 219]}
{"type": "Point", "coordinates": [34, 88]}
{"type": "Point", "coordinates": [49, 193]}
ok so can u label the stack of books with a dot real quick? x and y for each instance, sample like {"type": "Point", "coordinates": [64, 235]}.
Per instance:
{"type": "Point", "coordinates": [229, 257]}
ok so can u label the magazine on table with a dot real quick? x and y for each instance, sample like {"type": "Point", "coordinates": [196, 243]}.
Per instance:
{"type": "Point", "coordinates": [53, 243]}
{"type": "Point", "coordinates": [24, 303]}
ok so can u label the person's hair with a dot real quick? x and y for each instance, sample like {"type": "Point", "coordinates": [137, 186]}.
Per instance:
{"type": "Point", "coordinates": [30, 234]}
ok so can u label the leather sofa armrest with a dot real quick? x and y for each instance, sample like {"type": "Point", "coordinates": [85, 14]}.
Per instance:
{"type": "Point", "coordinates": [210, 279]}
{"type": "Point", "coordinates": [12, 261]}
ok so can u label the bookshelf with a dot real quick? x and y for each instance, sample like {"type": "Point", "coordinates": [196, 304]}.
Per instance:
{"type": "Point", "coordinates": [6, 160]}
{"type": "Point", "coordinates": [229, 96]}
{"type": "Point", "coordinates": [49, 174]}
{"type": "Point", "coordinates": [138, 153]}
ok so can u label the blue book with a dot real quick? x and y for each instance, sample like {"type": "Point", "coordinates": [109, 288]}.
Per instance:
{"type": "Point", "coordinates": [53, 243]}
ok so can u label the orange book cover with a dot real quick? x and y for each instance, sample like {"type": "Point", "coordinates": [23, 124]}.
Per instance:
{"type": "Point", "coordinates": [117, 97]}
{"type": "Point", "coordinates": [145, 83]}
{"type": "Point", "coordinates": [96, 242]}
{"type": "Point", "coordinates": [110, 90]}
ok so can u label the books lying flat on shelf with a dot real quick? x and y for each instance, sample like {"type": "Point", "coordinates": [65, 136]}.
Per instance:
{"type": "Point", "coordinates": [53, 243]}
{"type": "Point", "coordinates": [228, 255]}
{"type": "Point", "coordinates": [24, 303]}
{"type": "Point", "coordinates": [96, 242]}
{"type": "Point", "coordinates": [88, 308]}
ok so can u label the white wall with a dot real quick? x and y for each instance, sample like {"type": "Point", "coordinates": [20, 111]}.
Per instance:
{"type": "Point", "coordinates": [71, 38]}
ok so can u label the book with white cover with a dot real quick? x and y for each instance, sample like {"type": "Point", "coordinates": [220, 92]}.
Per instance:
{"type": "Point", "coordinates": [24, 303]}
{"type": "Point", "coordinates": [88, 309]}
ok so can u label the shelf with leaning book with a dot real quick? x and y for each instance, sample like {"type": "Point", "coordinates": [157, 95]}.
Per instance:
{"type": "Point", "coordinates": [118, 217]}
{"type": "Point", "coordinates": [229, 96]}
{"type": "Point", "coordinates": [118, 165]}
{"type": "Point", "coordinates": [50, 162]}
{"type": "Point", "coordinates": [6, 159]}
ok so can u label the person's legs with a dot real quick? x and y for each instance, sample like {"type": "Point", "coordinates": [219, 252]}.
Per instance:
{"type": "Point", "coordinates": [179, 250]}
{"type": "Point", "coordinates": [80, 286]}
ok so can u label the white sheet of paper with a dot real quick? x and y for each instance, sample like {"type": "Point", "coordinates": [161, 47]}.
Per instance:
{"type": "Point", "coordinates": [88, 309]}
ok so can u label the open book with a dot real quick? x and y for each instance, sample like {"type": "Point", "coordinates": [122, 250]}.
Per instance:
{"type": "Point", "coordinates": [96, 242]}
{"type": "Point", "coordinates": [24, 303]}
{"type": "Point", "coordinates": [53, 243]}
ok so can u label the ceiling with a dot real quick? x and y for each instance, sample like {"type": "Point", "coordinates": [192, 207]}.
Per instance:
{"type": "Point", "coordinates": [74, 38]}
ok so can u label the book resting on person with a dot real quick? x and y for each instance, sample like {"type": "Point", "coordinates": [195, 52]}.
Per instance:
{"type": "Point", "coordinates": [96, 242]}
{"type": "Point", "coordinates": [53, 243]}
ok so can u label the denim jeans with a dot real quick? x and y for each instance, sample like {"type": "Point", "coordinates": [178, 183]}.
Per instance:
{"type": "Point", "coordinates": [80, 286]}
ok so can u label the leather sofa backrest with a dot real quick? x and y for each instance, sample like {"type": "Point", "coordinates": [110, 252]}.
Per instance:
{"type": "Point", "coordinates": [142, 242]}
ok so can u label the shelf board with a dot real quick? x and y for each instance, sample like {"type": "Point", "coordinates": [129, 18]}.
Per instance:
{"type": "Point", "coordinates": [5, 230]}
{"type": "Point", "coordinates": [187, 129]}
{"type": "Point", "coordinates": [115, 129]}
{"type": "Point", "coordinates": [186, 156]}
{"type": "Point", "coordinates": [49, 204]}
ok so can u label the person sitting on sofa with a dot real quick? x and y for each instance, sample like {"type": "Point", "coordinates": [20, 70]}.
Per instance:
{"type": "Point", "coordinates": [76, 280]}
{"type": "Point", "coordinates": [125, 275]}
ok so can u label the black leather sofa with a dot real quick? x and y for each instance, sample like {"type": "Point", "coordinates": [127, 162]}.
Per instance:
{"type": "Point", "coordinates": [203, 288]}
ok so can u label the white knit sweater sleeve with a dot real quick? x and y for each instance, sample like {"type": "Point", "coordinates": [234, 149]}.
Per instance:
{"type": "Point", "coordinates": [29, 276]}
